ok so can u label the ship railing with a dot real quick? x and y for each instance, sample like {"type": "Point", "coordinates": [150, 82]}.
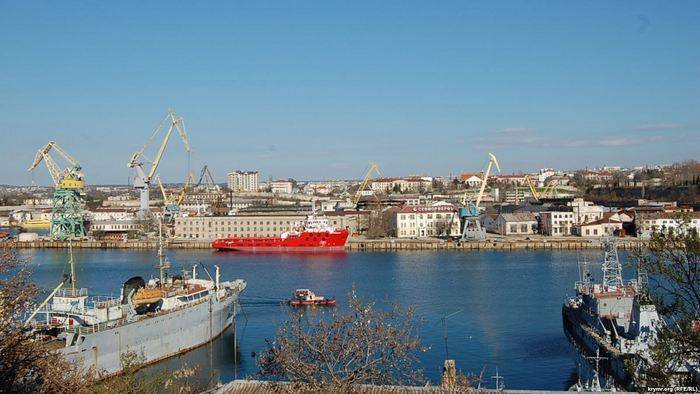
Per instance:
{"type": "Point", "coordinates": [81, 292]}
{"type": "Point", "coordinates": [79, 329]}
{"type": "Point", "coordinates": [103, 301]}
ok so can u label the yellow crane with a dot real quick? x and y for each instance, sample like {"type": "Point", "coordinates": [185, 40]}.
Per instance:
{"type": "Point", "coordinates": [533, 190]}
{"type": "Point", "coordinates": [69, 178]}
{"type": "Point", "coordinates": [373, 168]}
{"type": "Point", "coordinates": [550, 191]}
{"type": "Point", "coordinates": [172, 202]}
{"type": "Point", "coordinates": [67, 220]}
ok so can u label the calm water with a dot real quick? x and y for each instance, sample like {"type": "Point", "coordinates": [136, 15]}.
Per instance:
{"type": "Point", "coordinates": [509, 302]}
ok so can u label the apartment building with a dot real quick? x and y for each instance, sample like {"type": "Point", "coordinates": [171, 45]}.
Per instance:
{"type": "Point", "coordinates": [243, 181]}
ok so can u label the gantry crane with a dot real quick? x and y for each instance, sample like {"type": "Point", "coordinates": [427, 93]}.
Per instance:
{"type": "Point", "coordinates": [550, 191]}
{"type": "Point", "coordinates": [142, 181]}
{"type": "Point", "coordinates": [373, 168]}
{"type": "Point", "coordinates": [206, 176]}
{"type": "Point", "coordinates": [67, 202]}
{"type": "Point", "coordinates": [469, 211]}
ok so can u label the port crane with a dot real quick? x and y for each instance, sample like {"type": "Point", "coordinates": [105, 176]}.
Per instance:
{"type": "Point", "coordinates": [469, 211]}
{"type": "Point", "coordinates": [550, 191]}
{"type": "Point", "coordinates": [171, 203]}
{"type": "Point", "coordinates": [206, 176]}
{"type": "Point", "coordinates": [142, 181]}
{"type": "Point", "coordinates": [68, 197]}
{"type": "Point", "coordinates": [373, 168]}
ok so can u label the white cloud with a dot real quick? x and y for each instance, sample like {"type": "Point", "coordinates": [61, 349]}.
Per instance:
{"type": "Point", "coordinates": [658, 127]}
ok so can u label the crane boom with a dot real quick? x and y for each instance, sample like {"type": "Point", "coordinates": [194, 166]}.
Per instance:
{"type": "Point", "coordinates": [533, 190]}
{"type": "Point", "coordinates": [57, 175]}
{"type": "Point", "coordinates": [143, 178]}
{"type": "Point", "coordinates": [492, 161]}
{"type": "Point", "coordinates": [372, 168]}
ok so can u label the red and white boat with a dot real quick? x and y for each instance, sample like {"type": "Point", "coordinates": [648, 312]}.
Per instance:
{"type": "Point", "coordinates": [316, 235]}
{"type": "Point", "coordinates": [304, 297]}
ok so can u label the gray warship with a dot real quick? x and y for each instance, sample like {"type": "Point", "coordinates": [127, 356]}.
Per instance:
{"type": "Point", "coordinates": [613, 318]}
{"type": "Point", "coordinates": [153, 319]}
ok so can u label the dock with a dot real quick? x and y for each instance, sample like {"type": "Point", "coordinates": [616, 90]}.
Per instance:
{"type": "Point", "coordinates": [353, 245]}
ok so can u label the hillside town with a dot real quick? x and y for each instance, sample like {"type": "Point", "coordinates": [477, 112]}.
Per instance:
{"type": "Point", "coordinates": [609, 201]}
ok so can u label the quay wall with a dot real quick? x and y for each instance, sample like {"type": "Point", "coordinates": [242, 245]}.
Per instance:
{"type": "Point", "coordinates": [352, 245]}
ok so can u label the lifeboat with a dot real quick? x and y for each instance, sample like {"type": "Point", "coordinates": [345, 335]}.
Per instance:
{"type": "Point", "coordinates": [306, 297]}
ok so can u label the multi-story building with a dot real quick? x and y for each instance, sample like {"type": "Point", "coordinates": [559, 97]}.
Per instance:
{"type": "Point", "coordinates": [409, 184]}
{"type": "Point", "coordinates": [106, 213]}
{"type": "Point", "coordinates": [213, 227]}
{"type": "Point", "coordinates": [243, 181]}
{"type": "Point", "coordinates": [281, 186]}
{"type": "Point", "coordinates": [585, 211]}
{"type": "Point", "coordinates": [556, 223]}
{"type": "Point", "coordinates": [662, 222]}
{"type": "Point", "coordinates": [426, 221]}
{"type": "Point", "coordinates": [260, 224]}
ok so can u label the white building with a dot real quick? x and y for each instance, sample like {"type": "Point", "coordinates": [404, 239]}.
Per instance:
{"type": "Point", "coordinates": [585, 211]}
{"type": "Point", "coordinates": [281, 186]}
{"type": "Point", "coordinates": [664, 222]}
{"type": "Point", "coordinates": [515, 224]}
{"type": "Point", "coordinates": [102, 214]}
{"type": "Point", "coordinates": [243, 181]}
{"type": "Point", "coordinates": [556, 223]}
{"type": "Point", "coordinates": [471, 180]}
{"type": "Point", "coordinates": [607, 226]}
{"type": "Point", "coordinates": [115, 226]}
{"type": "Point", "coordinates": [409, 184]}
{"type": "Point", "coordinates": [426, 221]}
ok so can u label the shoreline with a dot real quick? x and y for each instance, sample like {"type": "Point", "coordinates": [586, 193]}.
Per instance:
{"type": "Point", "coordinates": [355, 245]}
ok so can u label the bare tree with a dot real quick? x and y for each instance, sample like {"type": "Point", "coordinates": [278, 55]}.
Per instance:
{"type": "Point", "coordinates": [672, 261]}
{"type": "Point", "coordinates": [364, 345]}
{"type": "Point", "coordinates": [28, 365]}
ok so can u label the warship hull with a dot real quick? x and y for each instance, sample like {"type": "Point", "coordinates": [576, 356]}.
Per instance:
{"type": "Point", "coordinates": [152, 338]}
{"type": "Point", "coordinates": [584, 338]}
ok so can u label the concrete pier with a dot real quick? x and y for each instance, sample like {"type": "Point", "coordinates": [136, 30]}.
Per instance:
{"type": "Point", "coordinates": [355, 245]}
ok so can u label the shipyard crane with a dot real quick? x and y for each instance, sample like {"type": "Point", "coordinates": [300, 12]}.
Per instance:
{"type": "Point", "coordinates": [142, 181]}
{"type": "Point", "coordinates": [206, 176]}
{"type": "Point", "coordinates": [67, 200]}
{"type": "Point", "coordinates": [469, 211]}
{"type": "Point", "coordinates": [533, 190]}
{"type": "Point", "coordinates": [373, 168]}
{"type": "Point", "coordinates": [550, 191]}
{"type": "Point", "coordinates": [171, 203]}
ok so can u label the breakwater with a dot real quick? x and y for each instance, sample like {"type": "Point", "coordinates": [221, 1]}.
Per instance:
{"type": "Point", "coordinates": [353, 245]}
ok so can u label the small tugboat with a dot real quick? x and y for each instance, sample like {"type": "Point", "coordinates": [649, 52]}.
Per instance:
{"type": "Point", "coordinates": [304, 297]}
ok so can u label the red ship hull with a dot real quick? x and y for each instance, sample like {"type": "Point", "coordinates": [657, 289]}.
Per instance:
{"type": "Point", "coordinates": [314, 242]}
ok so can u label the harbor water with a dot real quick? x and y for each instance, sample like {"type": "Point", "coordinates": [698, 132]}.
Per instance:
{"type": "Point", "coordinates": [505, 306]}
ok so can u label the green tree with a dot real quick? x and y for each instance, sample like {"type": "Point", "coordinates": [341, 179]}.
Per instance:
{"type": "Point", "coordinates": [672, 262]}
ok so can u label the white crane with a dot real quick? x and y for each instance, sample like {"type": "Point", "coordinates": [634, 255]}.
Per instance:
{"type": "Point", "coordinates": [142, 181]}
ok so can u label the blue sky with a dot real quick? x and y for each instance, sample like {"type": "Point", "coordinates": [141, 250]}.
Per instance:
{"type": "Point", "coordinates": [315, 90]}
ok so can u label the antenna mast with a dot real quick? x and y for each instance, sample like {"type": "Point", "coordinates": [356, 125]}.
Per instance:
{"type": "Point", "coordinates": [612, 269]}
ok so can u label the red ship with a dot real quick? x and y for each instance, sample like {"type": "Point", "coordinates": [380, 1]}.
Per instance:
{"type": "Point", "coordinates": [315, 236]}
